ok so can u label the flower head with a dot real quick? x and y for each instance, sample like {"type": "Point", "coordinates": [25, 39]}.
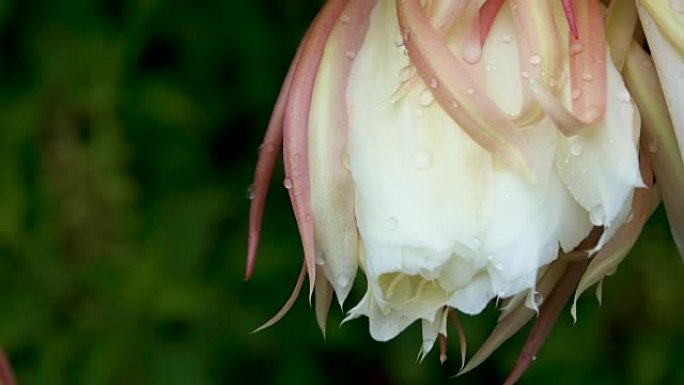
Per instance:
{"type": "Point", "coordinates": [458, 153]}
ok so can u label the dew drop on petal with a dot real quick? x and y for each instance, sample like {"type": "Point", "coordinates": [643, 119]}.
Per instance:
{"type": "Point", "coordinates": [499, 266]}
{"type": "Point", "coordinates": [470, 91]}
{"type": "Point", "coordinates": [538, 298]}
{"type": "Point", "coordinates": [406, 73]}
{"type": "Point", "coordinates": [345, 19]}
{"type": "Point", "coordinates": [398, 41]}
{"type": "Point", "coordinates": [422, 159]}
{"type": "Point", "coordinates": [576, 48]}
{"type": "Point", "coordinates": [576, 149]}
{"type": "Point", "coordinates": [535, 59]}
{"type": "Point", "coordinates": [454, 104]}
{"type": "Point", "coordinates": [576, 93]}
{"type": "Point", "coordinates": [587, 77]}
{"type": "Point", "coordinates": [525, 74]}
{"type": "Point", "coordinates": [426, 98]}
{"type": "Point", "coordinates": [287, 182]}
{"type": "Point", "coordinates": [507, 39]}
{"type": "Point", "coordinates": [434, 83]}
{"type": "Point", "coordinates": [249, 193]}
{"type": "Point", "coordinates": [350, 54]}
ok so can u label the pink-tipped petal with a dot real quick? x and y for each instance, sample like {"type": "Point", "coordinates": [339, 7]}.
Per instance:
{"type": "Point", "coordinates": [488, 13]}
{"type": "Point", "coordinates": [588, 63]}
{"type": "Point", "coordinates": [268, 152]}
{"type": "Point", "coordinates": [548, 315]}
{"type": "Point", "coordinates": [453, 316]}
{"type": "Point", "coordinates": [472, 49]}
{"type": "Point", "coordinates": [570, 17]}
{"type": "Point", "coordinates": [539, 52]}
{"type": "Point", "coordinates": [332, 186]}
{"type": "Point", "coordinates": [457, 93]}
{"type": "Point", "coordinates": [295, 129]}
{"type": "Point", "coordinates": [290, 301]}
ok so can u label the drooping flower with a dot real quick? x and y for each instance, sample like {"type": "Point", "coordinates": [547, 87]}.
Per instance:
{"type": "Point", "coordinates": [457, 153]}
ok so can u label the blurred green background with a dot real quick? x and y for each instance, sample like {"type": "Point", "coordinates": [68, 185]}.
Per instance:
{"type": "Point", "coordinates": [129, 132]}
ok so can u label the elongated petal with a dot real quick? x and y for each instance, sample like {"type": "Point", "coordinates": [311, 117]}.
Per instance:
{"type": "Point", "coordinates": [668, 15]}
{"type": "Point", "coordinates": [295, 129]}
{"type": "Point", "coordinates": [268, 154]}
{"type": "Point", "coordinates": [621, 23]}
{"type": "Point", "coordinates": [459, 94]}
{"type": "Point", "coordinates": [659, 137]}
{"type": "Point", "coordinates": [288, 304]}
{"type": "Point", "coordinates": [539, 52]}
{"type": "Point", "coordinates": [488, 13]}
{"type": "Point", "coordinates": [332, 187]}
{"type": "Point", "coordinates": [548, 315]}
{"type": "Point", "coordinates": [668, 58]}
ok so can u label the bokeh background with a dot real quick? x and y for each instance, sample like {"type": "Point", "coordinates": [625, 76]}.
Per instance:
{"type": "Point", "coordinates": [129, 131]}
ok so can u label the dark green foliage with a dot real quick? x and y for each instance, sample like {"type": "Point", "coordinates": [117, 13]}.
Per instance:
{"type": "Point", "coordinates": [128, 133]}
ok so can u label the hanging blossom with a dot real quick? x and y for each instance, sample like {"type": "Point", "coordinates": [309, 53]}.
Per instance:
{"type": "Point", "coordinates": [465, 152]}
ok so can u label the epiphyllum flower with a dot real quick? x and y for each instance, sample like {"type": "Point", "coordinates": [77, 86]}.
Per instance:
{"type": "Point", "coordinates": [457, 154]}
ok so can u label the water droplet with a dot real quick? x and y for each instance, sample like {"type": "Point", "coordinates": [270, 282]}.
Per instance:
{"type": "Point", "coordinates": [434, 83]}
{"type": "Point", "coordinates": [422, 159]}
{"type": "Point", "coordinates": [653, 145]}
{"type": "Point", "coordinates": [398, 41]}
{"type": "Point", "coordinates": [646, 63]}
{"type": "Point", "coordinates": [266, 148]}
{"type": "Point", "coordinates": [535, 59]}
{"type": "Point", "coordinates": [525, 74]}
{"type": "Point", "coordinates": [502, 294]}
{"type": "Point", "coordinates": [406, 73]}
{"type": "Point", "coordinates": [576, 48]}
{"type": "Point", "coordinates": [534, 358]}
{"type": "Point", "coordinates": [611, 141]}
{"type": "Point", "coordinates": [287, 182]}
{"type": "Point", "coordinates": [407, 33]}
{"type": "Point", "coordinates": [307, 217]}
{"type": "Point", "coordinates": [576, 93]}
{"type": "Point", "coordinates": [342, 281]}
{"type": "Point", "coordinates": [470, 91]}
{"type": "Point", "coordinates": [499, 266]}
{"type": "Point", "coordinates": [553, 82]}
{"type": "Point", "coordinates": [320, 261]}
{"type": "Point", "coordinates": [350, 54]}
{"type": "Point", "coordinates": [576, 149]}
{"type": "Point", "coordinates": [250, 192]}
{"type": "Point", "coordinates": [426, 98]}
{"type": "Point", "coordinates": [490, 257]}
{"type": "Point", "coordinates": [506, 39]}
{"type": "Point", "coordinates": [624, 97]}
{"type": "Point", "coordinates": [345, 19]}
{"type": "Point", "coordinates": [538, 298]}
{"type": "Point", "coordinates": [489, 67]}
{"type": "Point", "coordinates": [454, 104]}
{"type": "Point", "coordinates": [587, 77]}
{"type": "Point", "coordinates": [391, 223]}
{"type": "Point", "coordinates": [477, 243]}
